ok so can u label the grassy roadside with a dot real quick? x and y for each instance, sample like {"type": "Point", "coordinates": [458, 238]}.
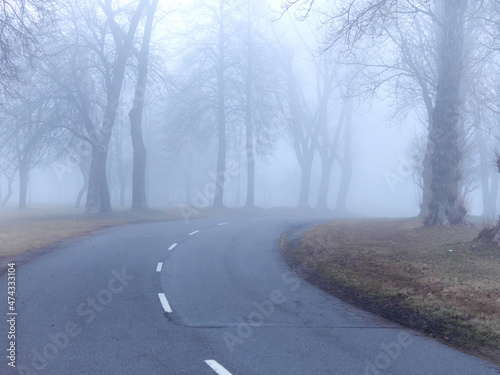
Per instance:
{"type": "Point", "coordinates": [429, 279]}
{"type": "Point", "coordinates": [24, 230]}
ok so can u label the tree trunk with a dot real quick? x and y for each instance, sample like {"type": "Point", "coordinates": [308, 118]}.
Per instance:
{"type": "Point", "coordinates": [9, 190]}
{"type": "Point", "coordinates": [491, 235]}
{"type": "Point", "coordinates": [426, 181]}
{"type": "Point", "coordinates": [324, 185]}
{"type": "Point", "coordinates": [493, 195]}
{"type": "Point", "coordinates": [105, 198]}
{"type": "Point", "coordinates": [445, 206]}
{"type": "Point", "coordinates": [250, 202]}
{"type": "Point", "coordinates": [139, 201]}
{"type": "Point", "coordinates": [80, 194]}
{"type": "Point", "coordinates": [84, 169]}
{"type": "Point", "coordinates": [326, 149]}
{"type": "Point", "coordinates": [305, 182]}
{"type": "Point", "coordinates": [488, 193]}
{"type": "Point", "coordinates": [98, 193]}
{"type": "Point", "coordinates": [221, 115]}
{"type": "Point", "coordinates": [250, 148]}
{"type": "Point", "coordinates": [23, 185]}
{"type": "Point", "coordinates": [345, 179]}
{"type": "Point", "coordinates": [92, 205]}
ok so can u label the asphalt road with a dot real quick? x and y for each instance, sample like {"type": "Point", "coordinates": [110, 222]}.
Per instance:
{"type": "Point", "coordinates": [210, 296]}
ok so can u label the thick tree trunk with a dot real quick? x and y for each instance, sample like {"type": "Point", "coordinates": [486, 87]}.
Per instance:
{"type": "Point", "coordinates": [139, 201]}
{"type": "Point", "coordinates": [105, 198]}
{"type": "Point", "coordinates": [445, 206]}
{"type": "Point", "coordinates": [92, 205]}
{"type": "Point", "coordinates": [23, 185]}
{"type": "Point", "coordinates": [98, 193]}
{"type": "Point", "coordinates": [221, 115]}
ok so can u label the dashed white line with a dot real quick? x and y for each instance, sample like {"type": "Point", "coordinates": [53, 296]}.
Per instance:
{"type": "Point", "coordinates": [222, 223]}
{"type": "Point", "coordinates": [158, 267]}
{"type": "Point", "coordinates": [216, 367]}
{"type": "Point", "coordinates": [196, 231]}
{"type": "Point", "coordinates": [164, 303]}
{"type": "Point", "coordinates": [172, 246]}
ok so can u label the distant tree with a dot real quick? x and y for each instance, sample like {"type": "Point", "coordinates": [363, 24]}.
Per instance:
{"type": "Point", "coordinates": [29, 132]}
{"type": "Point", "coordinates": [304, 128]}
{"type": "Point", "coordinates": [256, 77]}
{"type": "Point", "coordinates": [204, 99]}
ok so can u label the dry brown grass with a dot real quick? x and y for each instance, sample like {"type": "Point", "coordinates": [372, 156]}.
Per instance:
{"type": "Point", "coordinates": [407, 273]}
{"type": "Point", "coordinates": [25, 230]}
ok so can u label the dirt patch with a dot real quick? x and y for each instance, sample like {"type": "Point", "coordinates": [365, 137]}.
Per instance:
{"type": "Point", "coordinates": [430, 279]}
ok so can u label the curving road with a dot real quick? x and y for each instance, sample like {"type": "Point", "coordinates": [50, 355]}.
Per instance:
{"type": "Point", "coordinates": [211, 296]}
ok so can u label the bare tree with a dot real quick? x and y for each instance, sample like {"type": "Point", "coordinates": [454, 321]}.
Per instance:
{"type": "Point", "coordinates": [203, 96]}
{"type": "Point", "coordinates": [445, 206]}
{"type": "Point", "coordinates": [255, 81]}
{"type": "Point", "coordinates": [22, 23]}
{"type": "Point", "coordinates": [95, 45]}
{"type": "Point", "coordinates": [29, 132]}
{"type": "Point", "coordinates": [139, 168]}
{"type": "Point", "coordinates": [352, 22]}
{"type": "Point", "coordinates": [304, 129]}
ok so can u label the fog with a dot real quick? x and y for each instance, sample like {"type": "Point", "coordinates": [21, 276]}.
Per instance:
{"type": "Point", "coordinates": [269, 78]}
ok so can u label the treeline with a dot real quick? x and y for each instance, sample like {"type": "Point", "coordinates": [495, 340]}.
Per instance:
{"type": "Point", "coordinates": [225, 78]}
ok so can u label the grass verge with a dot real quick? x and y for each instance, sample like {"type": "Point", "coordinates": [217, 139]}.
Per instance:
{"type": "Point", "coordinates": [22, 231]}
{"type": "Point", "coordinates": [429, 279]}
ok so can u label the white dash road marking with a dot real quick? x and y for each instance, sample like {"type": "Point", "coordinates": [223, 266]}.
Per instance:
{"type": "Point", "coordinates": [217, 368]}
{"type": "Point", "coordinates": [222, 223]}
{"type": "Point", "coordinates": [172, 246]}
{"type": "Point", "coordinates": [158, 267]}
{"type": "Point", "coordinates": [196, 231]}
{"type": "Point", "coordinates": [164, 303]}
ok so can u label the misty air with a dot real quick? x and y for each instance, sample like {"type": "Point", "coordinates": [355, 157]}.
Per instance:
{"type": "Point", "coordinates": [250, 187]}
